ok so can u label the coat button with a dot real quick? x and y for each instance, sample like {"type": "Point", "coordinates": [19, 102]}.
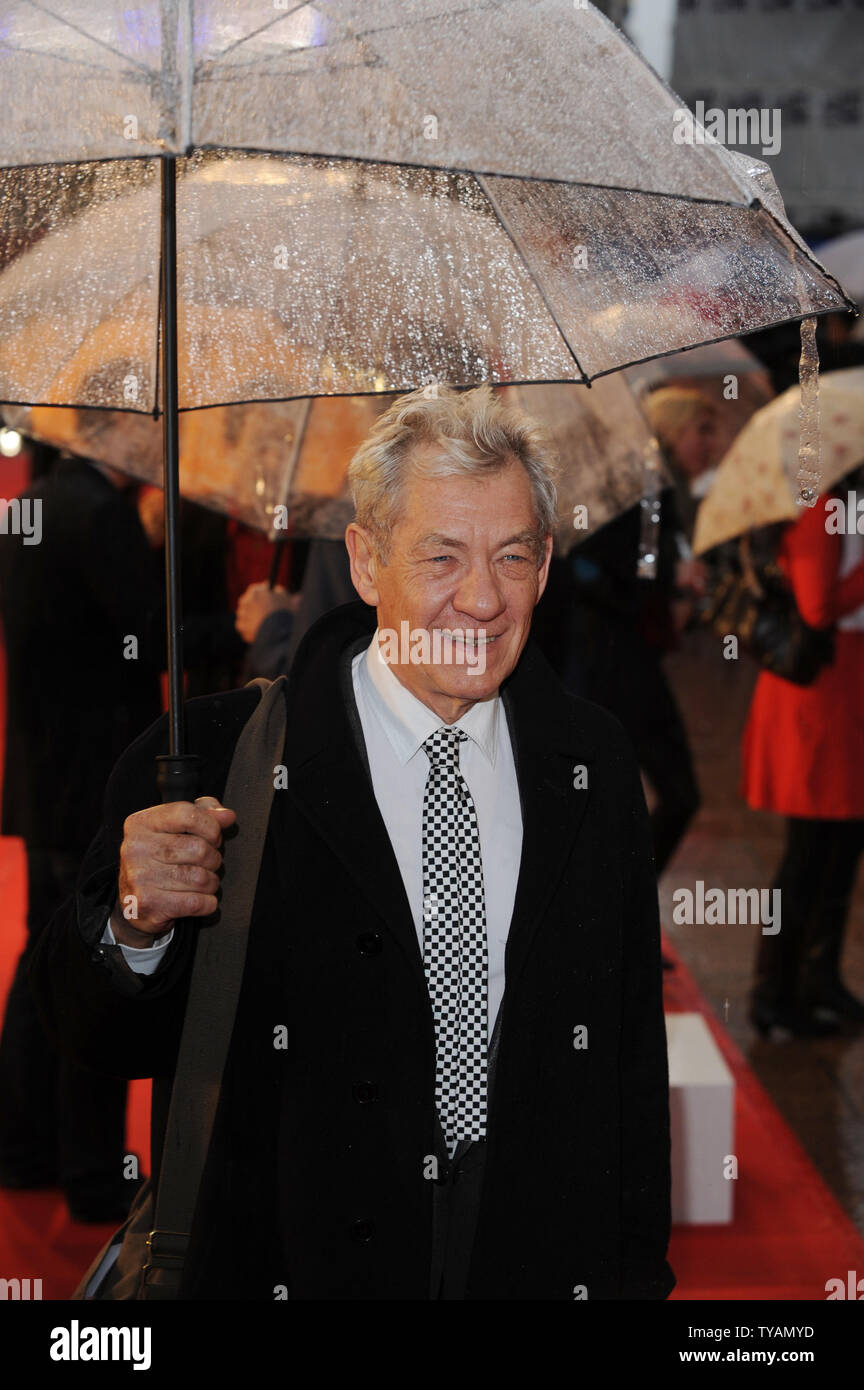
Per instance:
{"type": "Point", "coordinates": [362, 1232]}
{"type": "Point", "coordinates": [369, 943]}
{"type": "Point", "coordinates": [365, 1092]}
{"type": "Point", "coordinates": [443, 1174]}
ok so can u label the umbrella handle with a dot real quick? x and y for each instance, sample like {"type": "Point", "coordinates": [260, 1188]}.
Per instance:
{"type": "Point", "coordinates": [177, 776]}
{"type": "Point", "coordinates": [275, 561]}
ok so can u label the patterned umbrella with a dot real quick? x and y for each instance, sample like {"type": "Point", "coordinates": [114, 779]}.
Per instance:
{"type": "Point", "coordinates": [756, 481]}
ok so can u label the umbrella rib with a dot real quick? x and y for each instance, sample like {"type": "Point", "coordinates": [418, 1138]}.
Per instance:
{"type": "Point", "coordinates": [348, 35]}
{"type": "Point", "coordinates": [735, 335]}
{"type": "Point", "coordinates": [481, 182]}
{"type": "Point", "coordinates": [753, 205]}
{"type": "Point", "coordinates": [475, 173]}
{"type": "Point", "coordinates": [301, 5]}
{"type": "Point", "coordinates": [283, 400]}
{"type": "Point", "coordinates": [58, 58]}
{"type": "Point", "coordinates": [100, 43]}
{"type": "Point", "coordinates": [811, 256]}
{"type": "Point", "coordinates": [509, 381]}
{"type": "Point", "coordinates": [299, 438]}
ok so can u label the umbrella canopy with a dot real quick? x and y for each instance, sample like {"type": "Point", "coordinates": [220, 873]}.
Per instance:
{"type": "Point", "coordinates": [844, 257]}
{"type": "Point", "coordinates": [756, 482]}
{"type": "Point", "coordinates": [282, 466]}
{"type": "Point", "coordinates": [279, 467]}
{"type": "Point", "coordinates": [727, 373]}
{"type": "Point", "coordinates": [727, 358]}
{"type": "Point", "coordinates": [560, 226]}
{"type": "Point", "coordinates": [609, 458]}
{"type": "Point", "coordinates": [468, 191]}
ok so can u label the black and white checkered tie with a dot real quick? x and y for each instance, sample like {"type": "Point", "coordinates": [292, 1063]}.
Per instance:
{"type": "Point", "coordinates": [454, 940]}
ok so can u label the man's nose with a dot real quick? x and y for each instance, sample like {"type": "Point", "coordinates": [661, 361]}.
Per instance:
{"type": "Point", "coordinates": [478, 595]}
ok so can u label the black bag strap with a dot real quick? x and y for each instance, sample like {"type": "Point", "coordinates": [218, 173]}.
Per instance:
{"type": "Point", "coordinates": [217, 975]}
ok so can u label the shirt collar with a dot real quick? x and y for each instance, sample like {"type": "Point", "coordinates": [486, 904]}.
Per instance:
{"type": "Point", "coordinates": [407, 722]}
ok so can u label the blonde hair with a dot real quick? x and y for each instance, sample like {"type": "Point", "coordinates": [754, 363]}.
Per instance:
{"type": "Point", "coordinates": [477, 434]}
{"type": "Point", "coordinates": [672, 408]}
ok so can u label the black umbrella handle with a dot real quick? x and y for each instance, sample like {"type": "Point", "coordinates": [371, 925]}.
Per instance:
{"type": "Point", "coordinates": [275, 561]}
{"type": "Point", "coordinates": [176, 771]}
{"type": "Point", "coordinates": [177, 776]}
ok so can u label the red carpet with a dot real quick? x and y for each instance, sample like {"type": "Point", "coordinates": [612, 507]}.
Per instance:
{"type": "Point", "coordinates": [789, 1235]}
{"type": "Point", "coordinates": [37, 1238]}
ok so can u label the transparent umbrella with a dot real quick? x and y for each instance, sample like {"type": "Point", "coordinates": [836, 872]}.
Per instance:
{"type": "Point", "coordinates": [272, 161]}
{"type": "Point", "coordinates": [727, 373]}
{"type": "Point", "coordinates": [281, 467]}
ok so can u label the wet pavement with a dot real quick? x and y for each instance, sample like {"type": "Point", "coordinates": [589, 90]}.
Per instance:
{"type": "Point", "coordinates": [818, 1086]}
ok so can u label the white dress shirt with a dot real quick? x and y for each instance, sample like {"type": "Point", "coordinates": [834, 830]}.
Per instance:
{"type": "Point", "coordinates": [395, 725]}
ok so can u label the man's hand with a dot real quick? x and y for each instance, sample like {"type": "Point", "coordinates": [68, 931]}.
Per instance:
{"type": "Point", "coordinates": [169, 868]}
{"type": "Point", "coordinates": [257, 603]}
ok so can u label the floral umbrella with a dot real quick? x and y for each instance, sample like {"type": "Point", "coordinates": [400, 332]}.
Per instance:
{"type": "Point", "coordinates": [756, 481]}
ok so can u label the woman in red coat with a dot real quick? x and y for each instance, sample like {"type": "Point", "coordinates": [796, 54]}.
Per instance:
{"type": "Point", "coordinates": [803, 757]}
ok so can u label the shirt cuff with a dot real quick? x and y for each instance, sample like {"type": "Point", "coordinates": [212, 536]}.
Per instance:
{"type": "Point", "coordinates": [142, 959]}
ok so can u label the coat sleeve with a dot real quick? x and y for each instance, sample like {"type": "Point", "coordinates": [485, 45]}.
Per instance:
{"type": "Point", "coordinates": [811, 556]}
{"type": "Point", "coordinates": [101, 1013]}
{"type": "Point", "coordinates": [643, 1074]}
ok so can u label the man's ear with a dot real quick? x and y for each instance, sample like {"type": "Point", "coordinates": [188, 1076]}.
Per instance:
{"type": "Point", "coordinates": [543, 571]}
{"type": "Point", "coordinates": [364, 563]}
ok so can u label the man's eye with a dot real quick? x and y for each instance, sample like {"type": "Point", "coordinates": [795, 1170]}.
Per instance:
{"type": "Point", "coordinates": [436, 558]}
{"type": "Point", "coordinates": [524, 558]}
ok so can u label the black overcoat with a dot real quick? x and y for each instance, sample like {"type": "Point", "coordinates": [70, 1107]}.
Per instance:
{"type": "Point", "coordinates": [318, 1177]}
{"type": "Point", "coordinates": [73, 701]}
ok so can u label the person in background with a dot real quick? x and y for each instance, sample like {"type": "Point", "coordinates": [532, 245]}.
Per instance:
{"type": "Point", "coordinates": [802, 758]}
{"type": "Point", "coordinates": [606, 630]}
{"type": "Point", "coordinates": [80, 617]}
{"type": "Point", "coordinates": [274, 621]}
{"type": "Point", "coordinates": [212, 650]}
{"type": "Point", "coordinates": [684, 420]}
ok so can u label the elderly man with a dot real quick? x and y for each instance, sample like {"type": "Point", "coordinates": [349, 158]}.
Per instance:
{"type": "Point", "coordinates": [455, 920]}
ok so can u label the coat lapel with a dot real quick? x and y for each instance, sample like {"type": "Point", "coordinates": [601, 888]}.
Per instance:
{"type": "Point", "coordinates": [328, 778]}
{"type": "Point", "coordinates": [548, 747]}
{"type": "Point", "coordinates": [328, 781]}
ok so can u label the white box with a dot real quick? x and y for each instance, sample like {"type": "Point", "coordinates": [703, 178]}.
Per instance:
{"type": "Point", "coordinates": [702, 1115]}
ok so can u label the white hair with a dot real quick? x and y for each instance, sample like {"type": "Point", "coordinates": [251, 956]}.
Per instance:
{"type": "Point", "coordinates": [476, 433]}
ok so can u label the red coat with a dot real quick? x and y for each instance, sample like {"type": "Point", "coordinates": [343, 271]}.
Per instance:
{"type": "Point", "coordinates": [803, 747]}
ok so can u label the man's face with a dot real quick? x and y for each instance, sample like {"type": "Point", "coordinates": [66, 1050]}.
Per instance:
{"type": "Point", "coordinates": [462, 558]}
